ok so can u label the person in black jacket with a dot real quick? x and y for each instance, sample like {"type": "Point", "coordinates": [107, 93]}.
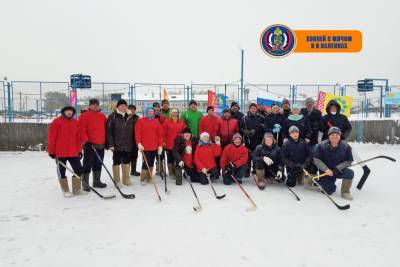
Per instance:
{"type": "Point", "coordinates": [120, 140]}
{"type": "Point", "coordinates": [334, 156]}
{"type": "Point", "coordinates": [296, 155]}
{"type": "Point", "coordinates": [261, 109]}
{"type": "Point", "coordinates": [273, 123]}
{"type": "Point", "coordinates": [286, 111]}
{"type": "Point", "coordinates": [267, 161]}
{"type": "Point", "coordinates": [135, 150]}
{"type": "Point", "coordinates": [298, 120]}
{"type": "Point", "coordinates": [335, 118]}
{"type": "Point", "coordinates": [252, 129]}
{"type": "Point", "coordinates": [236, 114]}
{"type": "Point", "coordinates": [183, 154]}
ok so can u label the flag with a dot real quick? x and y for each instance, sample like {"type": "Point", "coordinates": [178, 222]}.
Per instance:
{"type": "Point", "coordinates": [212, 100]}
{"type": "Point", "coordinates": [267, 102]}
{"type": "Point", "coordinates": [165, 94]}
{"type": "Point", "coordinates": [73, 98]}
{"type": "Point", "coordinates": [222, 103]}
{"type": "Point", "coordinates": [344, 102]}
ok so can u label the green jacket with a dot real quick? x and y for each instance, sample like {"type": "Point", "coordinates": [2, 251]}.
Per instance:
{"type": "Point", "coordinates": [166, 114]}
{"type": "Point", "coordinates": [192, 119]}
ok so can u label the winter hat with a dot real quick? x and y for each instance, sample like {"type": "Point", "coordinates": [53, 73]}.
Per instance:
{"type": "Point", "coordinates": [93, 101]}
{"type": "Point", "coordinates": [234, 104]}
{"type": "Point", "coordinates": [146, 110]}
{"type": "Point", "coordinates": [192, 102]}
{"type": "Point", "coordinates": [164, 101]}
{"type": "Point", "coordinates": [202, 136]}
{"type": "Point", "coordinates": [285, 101]}
{"type": "Point", "coordinates": [156, 105]}
{"type": "Point", "coordinates": [252, 105]}
{"type": "Point", "coordinates": [268, 135]}
{"type": "Point", "coordinates": [175, 110]}
{"type": "Point", "coordinates": [122, 102]}
{"type": "Point", "coordinates": [226, 110]}
{"type": "Point", "coordinates": [236, 135]}
{"type": "Point", "coordinates": [295, 106]}
{"type": "Point", "coordinates": [210, 107]}
{"type": "Point", "coordinates": [132, 106]}
{"type": "Point", "coordinates": [275, 103]}
{"type": "Point", "coordinates": [333, 130]}
{"type": "Point", "coordinates": [309, 100]}
{"type": "Point", "coordinates": [68, 108]}
{"type": "Point", "coordinates": [187, 130]}
{"type": "Point", "coordinates": [293, 129]}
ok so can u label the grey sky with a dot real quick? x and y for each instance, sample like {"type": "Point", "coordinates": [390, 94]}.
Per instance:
{"type": "Point", "coordinates": [183, 41]}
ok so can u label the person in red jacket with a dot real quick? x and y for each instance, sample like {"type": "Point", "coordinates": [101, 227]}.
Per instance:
{"type": "Point", "coordinates": [172, 128]}
{"type": "Point", "coordinates": [234, 160]}
{"type": "Point", "coordinates": [204, 157]}
{"type": "Point", "coordinates": [227, 127]}
{"type": "Point", "coordinates": [149, 139]}
{"type": "Point", "coordinates": [92, 124]}
{"type": "Point", "coordinates": [161, 118]}
{"type": "Point", "coordinates": [209, 123]}
{"type": "Point", "coordinates": [65, 144]}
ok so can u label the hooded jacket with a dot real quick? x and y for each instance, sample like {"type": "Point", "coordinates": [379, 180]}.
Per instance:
{"type": "Point", "coordinates": [339, 120]}
{"type": "Point", "coordinates": [121, 130]}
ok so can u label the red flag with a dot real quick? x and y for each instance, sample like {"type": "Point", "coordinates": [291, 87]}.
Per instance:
{"type": "Point", "coordinates": [212, 100]}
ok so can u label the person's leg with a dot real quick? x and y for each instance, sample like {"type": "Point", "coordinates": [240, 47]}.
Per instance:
{"type": "Point", "coordinates": [117, 160]}
{"type": "Point", "coordinates": [170, 164]}
{"type": "Point", "coordinates": [77, 168]}
{"type": "Point", "coordinates": [214, 173]}
{"type": "Point", "coordinates": [193, 174]}
{"type": "Point", "coordinates": [151, 157]}
{"type": "Point", "coordinates": [328, 184]}
{"type": "Point", "coordinates": [203, 178]}
{"type": "Point", "coordinates": [292, 176]}
{"type": "Point", "coordinates": [347, 180]}
{"type": "Point", "coordinates": [97, 166]}
{"type": "Point", "coordinates": [134, 154]}
{"type": "Point", "coordinates": [89, 159]}
{"type": "Point", "coordinates": [126, 166]}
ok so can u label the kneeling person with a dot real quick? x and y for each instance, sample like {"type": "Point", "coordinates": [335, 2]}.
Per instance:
{"type": "Point", "coordinates": [205, 155]}
{"type": "Point", "coordinates": [234, 160]}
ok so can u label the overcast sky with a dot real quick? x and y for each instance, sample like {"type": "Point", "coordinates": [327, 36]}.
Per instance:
{"type": "Point", "coordinates": [174, 41]}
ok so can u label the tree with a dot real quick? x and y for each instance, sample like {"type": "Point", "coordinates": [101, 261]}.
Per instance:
{"type": "Point", "coordinates": [55, 101]}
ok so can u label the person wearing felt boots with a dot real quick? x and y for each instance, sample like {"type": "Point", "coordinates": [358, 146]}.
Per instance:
{"type": "Point", "coordinates": [183, 154]}
{"type": "Point", "coordinates": [204, 157]}
{"type": "Point", "coordinates": [234, 160]}
{"type": "Point", "coordinates": [268, 163]}
{"type": "Point", "coordinates": [333, 118]}
{"type": "Point", "coordinates": [120, 134]}
{"type": "Point", "coordinates": [135, 151]}
{"type": "Point", "coordinates": [296, 154]}
{"type": "Point", "coordinates": [273, 123]}
{"type": "Point", "coordinates": [92, 125]}
{"type": "Point", "coordinates": [65, 144]}
{"type": "Point", "coordinates": [334, 156]}
{"type": "Point", "coordinates": [149, 139]}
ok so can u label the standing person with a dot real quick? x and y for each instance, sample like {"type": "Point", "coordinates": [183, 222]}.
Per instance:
{"type": "Point", "coordinates": [165, 110]}
{"type": "Point", "coordinates": [335, 118]}
{"type": "Point", "coordinates": [274, 122]}
{"type": "Point", "coordinates": [235, 111]}
{"type": "Point", "coordinates": [251, 128]}
{"type": "Point", "coordinates": [157, 112]}
{"type": "Point", "coordinates": [261, 109]}
{"type": "Point", "coordinates": [209, 123]}
{"type": "Point", "coordinates": [204, 158]}
{"type": "Point", "coordinates": [334, 156]}
{"type": "Point", "coordinates": [227, 127]}
{"type": "Point", "coordinates": [296, 155]}
{"type": "Point", "coordinates": [92, 125]}
{"type": "Point", "coordinates": [134, 153]}
{"type": "Point", "coordinates": [172, 128]}
{"type": "Point", "coordinates": [65, 144]}
{"type": "Point", "coordinates": [234, 160]}
{"type": "Point", "coordinates": [286, 108]}
{"type": "Point", "coordinates": [192, 117]}
{"type": "Point", "coordinates": [149, 139]}
{"type": "Point", "coordinates": [298, 120]}
{"type": "Point", "coordinates": [120, 140]}
{"type": "Point", "coordinates": [184, 149]}
{"type": "Point", "coordinates": [268, 162]}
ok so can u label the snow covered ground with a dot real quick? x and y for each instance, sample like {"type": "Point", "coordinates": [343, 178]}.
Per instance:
{"type": "Point", "coordinates": [38, 227]}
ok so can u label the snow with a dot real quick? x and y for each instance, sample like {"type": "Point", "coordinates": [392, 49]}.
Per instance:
{"type": "Point", "coordinates": [41, 228]}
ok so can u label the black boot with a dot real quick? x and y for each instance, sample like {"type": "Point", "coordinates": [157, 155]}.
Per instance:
{"type": "Point", "coordinates": [133, 169]}
{"type": "Point", "coordinates": [96, 180]}
{"type": "Point", "coordinates": [85, 182]}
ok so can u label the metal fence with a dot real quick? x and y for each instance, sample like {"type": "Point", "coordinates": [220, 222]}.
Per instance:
{"type": "Point", "coordinates": [40, 101]}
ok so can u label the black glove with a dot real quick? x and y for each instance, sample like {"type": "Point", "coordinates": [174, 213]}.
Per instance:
{"type": "Point", "coordinates": [232, 165]}
{"type": "Point", "coordinates": [87, 145]}
{"type": "Point", "coordinates": [52, 156]}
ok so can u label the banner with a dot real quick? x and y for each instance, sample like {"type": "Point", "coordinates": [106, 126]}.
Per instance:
{"type": "Point", "coordinates": [73, 98]}
{"type": "Point", "coordinates": [219, 102]}
{"type": "Point", "coordinates": [212, 100]}
{"type": "Point", "coordinates": [222, 103]}
{"type": "Point", "coordinates": [344, 102]}
{"type": "Point", "coordinates": [392, 98]}
{"type": "Point", "coordinates": [267, 102]}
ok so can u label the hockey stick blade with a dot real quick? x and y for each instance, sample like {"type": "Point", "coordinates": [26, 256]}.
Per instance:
{"type": "Point", "coordinates": [364, 177]}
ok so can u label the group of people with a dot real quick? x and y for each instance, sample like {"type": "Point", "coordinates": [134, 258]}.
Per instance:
{"type": "Point", "coordinates": [275, 145]}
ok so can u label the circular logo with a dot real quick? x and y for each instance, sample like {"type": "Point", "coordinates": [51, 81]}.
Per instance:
{"type": "Point", "coordinates": [278, 40]}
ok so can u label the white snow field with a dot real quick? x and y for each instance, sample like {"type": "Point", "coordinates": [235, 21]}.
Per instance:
{"type": "Point", "coordinates": [38, 227]}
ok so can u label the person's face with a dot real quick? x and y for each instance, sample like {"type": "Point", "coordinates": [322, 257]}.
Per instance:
{"type": "Point", "coordinates": [275, 109]}
{"type": "Point", "coordinates": [206, 139]}
{"type": "Point", "coordinates": [165, 106]}
{"type": "Point", "coordinates": [237, 141]}
{"type": "Point", "coordinates": [133, 110]}
{"type": "Point", "coordinates": [269, 141]}
{"type": "Point", "coordinates": [210, 112]}
{"type": "Point", "coordinates": [310, 105]}
{"type": "Point", "coordinates": [150, 113]}
{"type": "Point", "coordinates": [193, 107]}
{"type": "Point", "coordinates": [253, 109]}
{"type": "Point", "coordinates": [68, 113]}
{"type": "Point", "coordinates": [295, 135]}
{"type": "Point", "coordinates": [285, 106]}
{"type": "Point", "coordinates": [296, 111]}
{"type": "Point", "coordinates": [157, 109]}
{"type": "Point", "coordinates": [94, 107]}
{"type": "Point", "coordinates": [187, 136]}
{"type": "Point", "coordinates": [334, 139]}
{"type": "Point", "coordinates": [235, 109]}
{"type": "Point", "coordinates": [260, 107]}
{"type": "Point", "coordinates": [174, 114]}
{"type": "Point", "coordinates": [227, 115]}
{"type": "Point", "coordinates": [333, 110]}
{"type": "Point", "coordinates": [122, 108]}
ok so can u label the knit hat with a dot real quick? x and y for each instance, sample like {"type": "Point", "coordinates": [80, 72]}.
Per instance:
{"type": "Point", "coordinates": [210, 107]}
{"type": "Point", "coordinates": [252, 105]}
{"type": "Point", "coordinates": [233, 104]}
{"type": "Point", "coordinates": [295, 106]}
{"type": "Point", "coordinates": [268, 135]}
{"type": "Point", "coordinates": [122, 102]}
{"type": "Point", "coordinates": [285, 101]}
{"type": "Point", "coordinates": [226, 110]}
{"type": "Point", "coordinates": [164, 101]}
{"type": "Point", "coordinates": [202, 136]}
{"type": "Point", "coordinates": [293, 129]}
{"type": "Point", "coordinates": [174, 110]}
{"type": "Point", "coordinates": [192, 102]}
{"type": "Point", "coordinates": [132, 106]}
{"type": "Point", "coordinates": [147, 109]}
{"type": "Point", "coordinates": [93, 101]}
{"type": "Point", "coordinates": [309, 100]}
{"type": "Point", "coordinates": [187, 130]}
{"type": "Point", "coordinates": [156, 105]}
{"type": "Point", "coordinates": [333, 130]}
{"type": "Point", "coordinates": [68, 108]}
{"type": "Point", "coordinates": [236, 135]}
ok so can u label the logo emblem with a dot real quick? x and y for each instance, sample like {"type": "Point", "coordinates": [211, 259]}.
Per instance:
{"type": "Point", "coordinates": [278, 40]}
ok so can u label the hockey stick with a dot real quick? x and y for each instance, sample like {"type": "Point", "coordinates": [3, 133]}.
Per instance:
{"type": "Point", "coordinates": [127, 196]}
{"type": "Point", "coordinates": [151, 175]}
{"type": "Point", "coordinates": [315, 179]}
{"type": "Point", "coordinates": [290, 189]}
{"type": "Point", "coordinates": [195, 208]}
{"type": "Point", "coordinates": [164, 172]}
{"type": "Point", "coordinates": [212, 187]}
{"type": "Point", "coordinates": [254, 206]}
{"type": "Point", "coordinates": [91, 188]}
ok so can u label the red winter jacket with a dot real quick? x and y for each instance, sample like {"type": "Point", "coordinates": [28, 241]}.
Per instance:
{"type": "Point", "coordinates": [63, 138]}
{"type": "Point", "coordinates": [92, 125]}
{"type": "Point", "coordinates": [238, 155]}
{"type": "Point", "coordinates": [204, 156]}
{"type": "Point", "coordinates": [210, 125]}
{"type": "Point", "coordinates": [226, 130]}
{"type": "Point", "coordinates": [160, 117]}
{"type": "Point", "coordinates": [149, 133]}
{"type": "Point", "coordinates": [171, 131]}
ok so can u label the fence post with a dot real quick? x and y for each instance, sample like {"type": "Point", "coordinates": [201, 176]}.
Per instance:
{"type": "Point", "coordinates": [41, 101]}
{"type": "Point", "coordinates": [9, 108]}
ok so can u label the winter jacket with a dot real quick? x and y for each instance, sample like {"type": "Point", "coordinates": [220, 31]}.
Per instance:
{"type": "Point", "coordinates": [273, 152]}
{"type": "Point", "coordinates": [121, 131]}
{"type": "Point", "coordinates": [336, 159]}
{"type": "Point", "coordinates": [181, 153]}
{"type": "Point", "coordinates": [64, 138]}
{"type": "Point", "coordinates": [161, 118]}
{"type": "Point", "coordinates": [269, 124]}
{"type": "Point", "coordinates": [171, 131]}
{"type": "Point", "coordinates": [237, 115]}
{"type": "Point", "coordinates": [286, 112]}
{"type": "Point", "coordinates": [204, 156]}
{"type": "Point", "coordinates": [236, 154]}
{"type": "Point", "coordinates": [192, 120]}
{"type": "Point", "coordinates": [149, 133]}
{"type": "Point", "coordinates": [296, 154]}
{"type": "Point", "coordinates": [226, 130]}
{"type": "Point", "coordinates": [314, 120]}
{"type": "Point", "coordinates": [251, 128]}
{"type": "Point", "coordinates": [166, 113]}
{"type": "Point", "coordinates": [209, 125]}
{"type": "Point", "coordinates": [338, 120]}
{"type": "Point", "coordinates": [300, 122]}
{"type": "Point", "coordinates": [92, 125]}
